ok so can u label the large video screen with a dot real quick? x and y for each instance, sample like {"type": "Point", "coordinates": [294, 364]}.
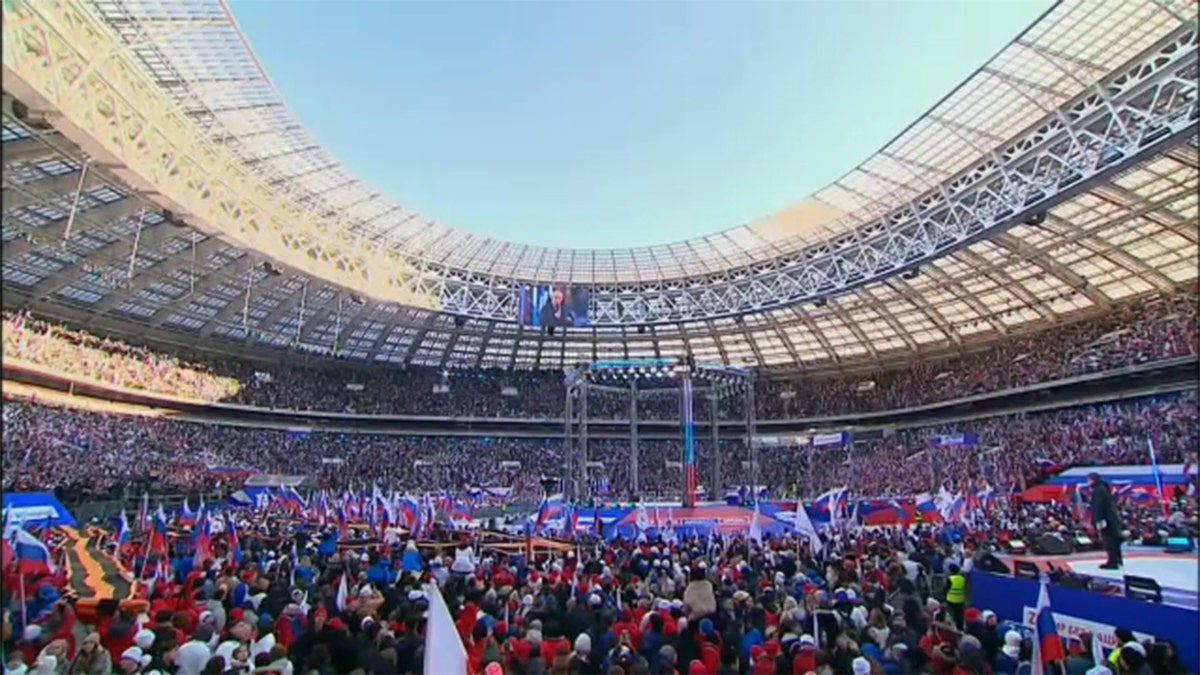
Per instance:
{"type": "Point", "coordinates": [557, 305]}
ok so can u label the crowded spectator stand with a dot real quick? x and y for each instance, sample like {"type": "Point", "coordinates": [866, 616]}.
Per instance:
{"type": "Point", "coordinates": [1146, 329]}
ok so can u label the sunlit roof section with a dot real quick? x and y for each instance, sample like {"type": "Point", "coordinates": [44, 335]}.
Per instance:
{"type": "Point", "coordinates": [194, 50]}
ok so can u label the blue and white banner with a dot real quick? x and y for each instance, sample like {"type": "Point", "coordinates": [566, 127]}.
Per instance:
{"type": "Point", "coordinates": [950, 440]}
{"type": "Point", "coordinates": [37, 509]}
{"type": "Point", "coordinates": [840, 438]}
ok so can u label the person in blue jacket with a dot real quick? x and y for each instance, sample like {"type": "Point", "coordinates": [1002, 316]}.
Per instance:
{"type": "Point", "coordinates": [412, 561]}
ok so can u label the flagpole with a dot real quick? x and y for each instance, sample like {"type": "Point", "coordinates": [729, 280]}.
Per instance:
{"type": "Point", "coordinates": [1158, 482]}
{"type": "Point", "coordinates": [24, 609]}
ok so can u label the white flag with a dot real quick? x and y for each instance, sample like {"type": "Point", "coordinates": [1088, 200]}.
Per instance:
{"type": "Point", "coordinates": [805, 527]}
{"type": "Point", "coordinates": [343, 593]}
{"type": "Point", "coordinates": [444, 652]}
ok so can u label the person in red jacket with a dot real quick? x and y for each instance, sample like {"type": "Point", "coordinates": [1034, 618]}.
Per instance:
{"type": "Point", "coordinates": [117, 632]}
{"type": "Point", "coordinates": [553, 642]}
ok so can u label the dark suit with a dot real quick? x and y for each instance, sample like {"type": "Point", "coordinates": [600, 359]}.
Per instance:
{"type": "Point", "coordinates": [552, 316]}
{"type": "Point", "coordinates": [1104, 510]}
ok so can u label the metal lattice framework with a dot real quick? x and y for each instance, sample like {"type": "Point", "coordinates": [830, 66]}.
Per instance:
{"type": "Point", "coordinates": [154, 107]}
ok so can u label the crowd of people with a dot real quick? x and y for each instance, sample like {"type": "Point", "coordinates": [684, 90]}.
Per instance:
{"type": "Point", "coordinates": [85, 452]}
{"type": "Point", "coordinates": [289, 596]}
{"type": "Point", "coordinates": [1150, 329]}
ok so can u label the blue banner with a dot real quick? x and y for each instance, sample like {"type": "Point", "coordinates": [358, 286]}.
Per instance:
{"type": "Point", "coordinates": [840, 438]}
{"type": "Point", "coordinates": [1076, 611]}
{"type": "Point", "coordinates": [32, 509]}
{"type": "Point", "coordinates": [949, 440]}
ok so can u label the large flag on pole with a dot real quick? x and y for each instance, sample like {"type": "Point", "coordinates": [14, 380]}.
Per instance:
{"type": "Point", "coordinates": [1047, 645]}
{"type": "Point", "coordinates": [1158, 481]}
{"type": "Point", "coordinates": [444, 651]}
{"type": "Point", "coordinates": [343, 594]}
{"type": "Point", "coordinates": [804, 527]}
{"type": "Point", "coordinates": [123, 535]}
{"type": "Point", "coordinates": [31, 554]}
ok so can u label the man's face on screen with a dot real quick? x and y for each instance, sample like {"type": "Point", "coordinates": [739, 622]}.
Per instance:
{"type": "Point", "coordinates": [558, 296]}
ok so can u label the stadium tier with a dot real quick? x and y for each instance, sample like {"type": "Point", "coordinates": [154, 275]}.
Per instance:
{"type": "Point", "coordinates": [69, 450]}
{"type": "Point", "coordinates": [939, 416]}
{"type": "Point", "coordinates": [1152, 329]}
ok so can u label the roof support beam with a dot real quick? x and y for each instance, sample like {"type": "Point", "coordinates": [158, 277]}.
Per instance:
{"type": "Point", "coordinates": [34, 149]}
{"type": "Point", "coordinates": [856, 329]}
{"type": "Point", "coordinates": [40, 191]}
{"type": "Point", "coordinates": [286, 308]}
{"type": "Point", "coordinates": [922, 305]}
{"type": "Point", "coordinates": [1067, 232]}
{"type": "Point", "coordinates": [244, 302]}
{"type": "Point", "coordinates": [889, 318]}
{"type": "Point", "coordinates": [786, 339]}
{"type": "Point", "coordinates": [1000, 276]}
{"type": "Point", "coordinates": [749, 338]}
{"type": "Point", "coordinates": [162, 271]}
{"type": "Point", "coordinates": [1039, 257]}
{"type": "Point", "coordinates": [819, 335]}
{"type": "Point", "coordinates": [239, 270]}
{"type": "Point", "coordinates": [985, 313]}
{"type": "Point", "coordinates": [93, 217]}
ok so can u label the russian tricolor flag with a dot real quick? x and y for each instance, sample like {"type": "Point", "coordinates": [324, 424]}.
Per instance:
{"type": "Point", "coordinates": [143, 517]}
{"type": "Point", "coordinates": [828, 501]}
{"type": "Point", "coordinates": [186, 515]}
{"type": "Point", "coordinates": [550, 507]}
{"type": "Point", "coordinates": [158, 538]}
{"type": "Point", "coordinates": [235, 546]}
{"type": "Point", "coordinates": [926, 502]}
{"type": "Point", "coordinates": [123, 535]}
{"type": "Point", "coordinates": [291, 500]}
{"type": "Point", "coordinates": [31, 554]}
{"type": "Point", "coordinates": [1047, 645]}
{"type": "Point", "coordinates": [201, 541]}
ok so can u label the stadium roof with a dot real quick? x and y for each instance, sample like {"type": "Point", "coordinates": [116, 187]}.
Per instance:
{"type": "Point", "coordinates": [1133, 233]}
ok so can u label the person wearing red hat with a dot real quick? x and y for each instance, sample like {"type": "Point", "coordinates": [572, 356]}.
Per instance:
{"type": "Point", "coordinates": [761, 663]}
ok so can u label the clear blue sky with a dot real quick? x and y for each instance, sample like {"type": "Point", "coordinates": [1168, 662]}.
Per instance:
{"type": "Point", "coordinates": [616, 123]}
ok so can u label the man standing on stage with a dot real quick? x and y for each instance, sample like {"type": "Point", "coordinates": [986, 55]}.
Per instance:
{"type": "Point", "coordinates": [1106, 520]}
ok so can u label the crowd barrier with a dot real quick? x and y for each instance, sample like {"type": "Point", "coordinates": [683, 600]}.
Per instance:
{"type": "Point", "coordinates": [1079, 610]}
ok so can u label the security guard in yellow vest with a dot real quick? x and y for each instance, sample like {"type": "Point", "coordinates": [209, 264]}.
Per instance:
{"type": "Point", "coordinates": [956, 596]}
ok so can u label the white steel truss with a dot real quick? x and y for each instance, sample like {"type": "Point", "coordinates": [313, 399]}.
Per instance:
{"type": "Point", "coordinates": [1131, 114]}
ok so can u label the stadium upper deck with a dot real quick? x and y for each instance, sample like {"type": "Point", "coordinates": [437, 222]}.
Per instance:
{"type": "Point", "coordinates": [155, 181]}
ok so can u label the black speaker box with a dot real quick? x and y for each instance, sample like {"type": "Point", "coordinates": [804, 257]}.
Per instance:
{"type": "Point", "coordinates": [1048, 544]}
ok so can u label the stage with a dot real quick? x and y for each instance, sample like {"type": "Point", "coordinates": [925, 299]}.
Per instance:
{"type": "Point", "coordinates": [1177, 574]}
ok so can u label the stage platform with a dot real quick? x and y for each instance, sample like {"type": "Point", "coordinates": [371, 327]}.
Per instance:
{"type": "Point", "coordinates": [1177, 574]}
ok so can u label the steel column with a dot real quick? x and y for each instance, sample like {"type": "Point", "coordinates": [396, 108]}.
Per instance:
{"type": "Point", "coordinates": [568, 468]}
{"type": "Point", "coordinates": [750, 434]}
{"type": "Point", "coordinates": [633, 435]}
{"type": "Point", "coordinates": [717, 489]}
{"type": "Point", "coordinates": [687, 417]}
{"type": "Point", "coordinates": [583, 445]}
